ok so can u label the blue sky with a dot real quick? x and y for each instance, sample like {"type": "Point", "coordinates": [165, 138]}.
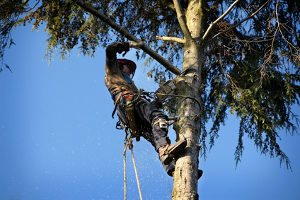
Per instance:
{"type": "Point", "coordinates": [58, 140]}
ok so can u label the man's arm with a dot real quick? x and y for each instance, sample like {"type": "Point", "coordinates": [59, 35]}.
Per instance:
{"type": "Point", "coordinates": [117, 47]}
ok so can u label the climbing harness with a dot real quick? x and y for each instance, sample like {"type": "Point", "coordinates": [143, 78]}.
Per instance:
{"type": "Point", "coordinates": [165, 91]}
{"type": "Point", "coordinates": [128, 143]}
{"type": "Point", "coordinates": [130, 99]}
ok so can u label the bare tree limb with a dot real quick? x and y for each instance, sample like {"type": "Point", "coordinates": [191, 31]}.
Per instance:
{"type": "Point", "coordinates": [181, 20]}
{"type": "Point", "coordinates": [169, 66]}
{"type": "Point", "coordinates": [173, 39]}
{"type": "Point", "coordinates": [238, 23]}
{"type": "Point", "coordinates": [221, 17]}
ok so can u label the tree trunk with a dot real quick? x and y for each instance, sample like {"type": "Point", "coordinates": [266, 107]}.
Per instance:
{"type": "Point", "coordinates": [186, 172]}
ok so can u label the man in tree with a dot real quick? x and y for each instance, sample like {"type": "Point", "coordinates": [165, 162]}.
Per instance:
{"type": "Point", "coordinates": [143, 118]}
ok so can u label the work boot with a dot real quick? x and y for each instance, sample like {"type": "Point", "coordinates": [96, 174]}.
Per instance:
{"type": "Point", "coordinates": [200, 173]}
{"type": "Point", "coordinates": [168, 152]}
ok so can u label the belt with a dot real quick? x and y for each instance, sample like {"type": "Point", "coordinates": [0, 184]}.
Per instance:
{"type": "Point", "coordinates": [128, 96]}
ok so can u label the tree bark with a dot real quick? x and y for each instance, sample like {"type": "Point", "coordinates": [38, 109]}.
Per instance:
{"type": "Point", "coordinates": [186, 172]}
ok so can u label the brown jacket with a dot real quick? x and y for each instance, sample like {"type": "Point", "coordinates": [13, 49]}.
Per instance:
{"type": "Point", "coordinates": [114, 79]}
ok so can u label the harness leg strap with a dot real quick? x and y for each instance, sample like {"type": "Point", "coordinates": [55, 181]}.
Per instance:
{"type": "Point", "coordinates": [163, 124]}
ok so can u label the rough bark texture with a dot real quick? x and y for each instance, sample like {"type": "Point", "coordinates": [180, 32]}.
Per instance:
{"type": "Point", "coordinates": [185, 179]}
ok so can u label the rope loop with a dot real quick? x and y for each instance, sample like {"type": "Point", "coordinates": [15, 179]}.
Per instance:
{"type": "Point", "coordinates": [128, 143]}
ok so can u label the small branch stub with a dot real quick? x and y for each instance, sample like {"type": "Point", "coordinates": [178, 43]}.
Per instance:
{"type": "Point", "coordinates": [173, 39]}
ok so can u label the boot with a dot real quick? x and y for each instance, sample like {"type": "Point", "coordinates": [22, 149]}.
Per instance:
{"type": "Point", "coordinates": [167, 153]}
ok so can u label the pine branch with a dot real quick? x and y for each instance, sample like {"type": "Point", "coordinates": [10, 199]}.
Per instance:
{"type": "Point", "coordinates": [221, 17]}
{"type": "Point", "coordinates": [169, 66]}
{"type": "Point", "coordinates": [173, 39]}
{"type": "Point", "coordinates": [253, 14]}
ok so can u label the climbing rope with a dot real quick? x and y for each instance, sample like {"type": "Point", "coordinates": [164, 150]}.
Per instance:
{"type": "Point", "coordinates": [128, 143]}
{"type": "Point", "coordinates": [136, 175]}
{"type": "Point", "coordinates": [125, 178]}
{"type": "Point", "coordinates": [184, 97]}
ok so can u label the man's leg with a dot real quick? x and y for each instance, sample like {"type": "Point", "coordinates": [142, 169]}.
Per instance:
{"type": "Point", "coordinates": [158, 136]}
{"type": "Point", "coordinates": [149, 114]}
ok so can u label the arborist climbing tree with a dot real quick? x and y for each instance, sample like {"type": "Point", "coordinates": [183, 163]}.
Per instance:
{"type": "Point", "coordinates": [137, 114]}
{"type": "Point", "coordinates": [235, 57]}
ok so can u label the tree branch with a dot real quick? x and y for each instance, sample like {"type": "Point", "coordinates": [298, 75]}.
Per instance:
{"type": "Point", "coordinates": [169, 66]}
{"type": "Point", "coordinates": [174, 39]}
{"type": "Point", "coordinates": [169, 5]}
{"type": "Point", "coordinates": [239, 22]}
{"type": "Point", "coordinates": [214, 6]}
{"type": "Point", "coordinates": [221, 17]}
{"type": "Point", "coordinates": [181, 21]}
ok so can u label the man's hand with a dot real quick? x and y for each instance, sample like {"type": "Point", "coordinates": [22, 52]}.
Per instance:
{"type": "Point", "coordinates": [135, 45]}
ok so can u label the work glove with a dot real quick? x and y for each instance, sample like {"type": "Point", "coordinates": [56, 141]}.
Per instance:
{"type": "Point", "coordinates": [122, 46]}
{"type": "Point", "coordinates": [135, 45]}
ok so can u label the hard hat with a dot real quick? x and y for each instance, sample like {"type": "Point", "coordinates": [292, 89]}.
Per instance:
{"type": "Point", "coordinates": [129, 63]}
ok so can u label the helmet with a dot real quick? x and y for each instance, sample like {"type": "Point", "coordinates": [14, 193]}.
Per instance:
{"type": "Point", "coordinates": [129, 63]}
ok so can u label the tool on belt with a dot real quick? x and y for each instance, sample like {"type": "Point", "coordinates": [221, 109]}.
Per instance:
{"type": "Point", "coordinates": [129, 98]}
